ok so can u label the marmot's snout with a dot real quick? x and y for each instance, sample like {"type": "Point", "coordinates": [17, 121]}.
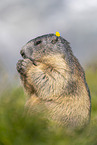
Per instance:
{"type": "Point", "coordinates": [23, 54]}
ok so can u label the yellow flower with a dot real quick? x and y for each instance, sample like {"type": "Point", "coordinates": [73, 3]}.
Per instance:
{"type": "Point", "coordinates": [57, 34]}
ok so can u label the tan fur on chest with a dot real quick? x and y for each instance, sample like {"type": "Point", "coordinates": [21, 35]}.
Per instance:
{"type": "Point", "coordinates": [49, 80]}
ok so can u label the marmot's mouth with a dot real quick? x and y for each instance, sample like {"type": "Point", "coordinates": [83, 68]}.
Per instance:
{"type": "Point", "coordinates": [32, 61]}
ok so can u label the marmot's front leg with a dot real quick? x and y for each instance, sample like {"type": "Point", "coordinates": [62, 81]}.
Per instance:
{"type": "Point", "coordinates": [23, 67]}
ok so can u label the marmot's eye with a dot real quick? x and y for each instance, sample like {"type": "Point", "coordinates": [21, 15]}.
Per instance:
{"type": "Point", "coordinates": [37, 42]}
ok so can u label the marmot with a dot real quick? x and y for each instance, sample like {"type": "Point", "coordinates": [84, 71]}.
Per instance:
{"type": "Point", "coordinates": [52, 76]}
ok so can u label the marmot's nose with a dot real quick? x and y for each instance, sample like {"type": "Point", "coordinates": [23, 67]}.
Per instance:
{"type": "Point", "coordinates": [22, 53]}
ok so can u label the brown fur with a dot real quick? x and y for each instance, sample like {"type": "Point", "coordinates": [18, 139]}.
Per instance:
{"type": "Point", "coordinates": [57, 86]}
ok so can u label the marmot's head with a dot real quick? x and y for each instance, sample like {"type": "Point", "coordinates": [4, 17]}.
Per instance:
{"type": "Point", "coordinates": [44, 45]}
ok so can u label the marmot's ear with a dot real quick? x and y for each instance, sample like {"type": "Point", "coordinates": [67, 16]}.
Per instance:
{"type": "Point", "coordinates": [54, 39]}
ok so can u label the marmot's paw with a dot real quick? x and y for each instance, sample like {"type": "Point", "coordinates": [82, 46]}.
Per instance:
{"type": "Point", "coordinates": [23, 65]}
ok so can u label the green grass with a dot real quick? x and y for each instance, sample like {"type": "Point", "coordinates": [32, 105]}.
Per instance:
{"type": "Point", "coordinates": [16, 129]}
